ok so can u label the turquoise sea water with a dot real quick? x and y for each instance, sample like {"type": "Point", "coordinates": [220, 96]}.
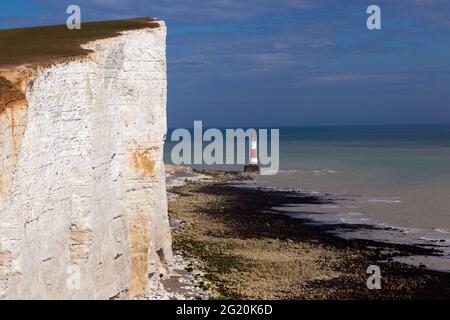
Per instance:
{"type": "Point", "coordinates": [409, 156]}
{"type": "Point", "coordinates": [392, 175]}
{"type": "Point", "coordinates": [384, 176]}
{"type": "Point", "coordinates": [409, 165]}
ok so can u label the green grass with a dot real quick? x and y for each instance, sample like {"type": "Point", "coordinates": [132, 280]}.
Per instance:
{"type": "Point", "coordinates": [38, 45]}
{"type": "Point", "coordinates": [213, 253]}
{"type": "Point", "coordinates": [219, 264]}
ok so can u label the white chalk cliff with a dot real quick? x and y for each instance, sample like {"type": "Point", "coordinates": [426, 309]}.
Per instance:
{"type": "Point", "coordinates": [83, 208]}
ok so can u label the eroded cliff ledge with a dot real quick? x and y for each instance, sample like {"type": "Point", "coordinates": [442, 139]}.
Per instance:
{"type": "Point", "coordinates": [83, 209]}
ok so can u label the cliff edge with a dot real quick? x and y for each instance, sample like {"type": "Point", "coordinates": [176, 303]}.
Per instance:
{"type": "Point", "coordinates": [83, 208]}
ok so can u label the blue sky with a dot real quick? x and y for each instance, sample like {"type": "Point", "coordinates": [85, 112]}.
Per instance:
{"type": "Point", "coordinates": [287, 62]}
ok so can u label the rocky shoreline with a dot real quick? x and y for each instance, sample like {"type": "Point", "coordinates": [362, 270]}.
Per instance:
{"type": "Point", "coordinates": [238, 248]}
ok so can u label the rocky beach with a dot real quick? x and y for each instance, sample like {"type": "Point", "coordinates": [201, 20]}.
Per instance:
{"type": "Point", "coordinates": [239, 247]}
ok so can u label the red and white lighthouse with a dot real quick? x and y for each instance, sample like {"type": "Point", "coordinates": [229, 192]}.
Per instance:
{"type": "Point", "coordinates": [254, 151]}
{"type": "Point", "coordinates": [253, 167]}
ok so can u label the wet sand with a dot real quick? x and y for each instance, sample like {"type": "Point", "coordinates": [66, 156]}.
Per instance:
{"type": "Point", "coordinates": [247, 251]}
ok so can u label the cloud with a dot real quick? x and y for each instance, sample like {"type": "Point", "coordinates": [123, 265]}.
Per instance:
{"type": "Point", "coordinates": [354, 77]}
{"type": "Point", "coordinates": [189, 63]}
{"type": "Point", "coordinates": [265, 50]}
{"type": "Point", "coordinates": [188, 11]}
{"type": "Point", "coordinates": [384, 78]}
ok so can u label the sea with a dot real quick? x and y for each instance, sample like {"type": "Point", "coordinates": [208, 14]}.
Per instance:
{"type": "Point", "coordinates": [396, 178]}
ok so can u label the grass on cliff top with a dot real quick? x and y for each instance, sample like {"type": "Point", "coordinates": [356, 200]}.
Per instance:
{"type": "Point", "coordinates": [42, 45]}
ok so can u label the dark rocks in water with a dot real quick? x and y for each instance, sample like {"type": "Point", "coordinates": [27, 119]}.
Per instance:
{"type": "Point", "coordinates": [251, 168]}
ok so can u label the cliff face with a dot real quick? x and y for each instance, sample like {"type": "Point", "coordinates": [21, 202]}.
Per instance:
{"type": "Point", "coordinates": [83, 209]}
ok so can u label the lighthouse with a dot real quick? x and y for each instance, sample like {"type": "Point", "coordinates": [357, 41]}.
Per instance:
{"type": "Point", "coordinates": [253, 167]}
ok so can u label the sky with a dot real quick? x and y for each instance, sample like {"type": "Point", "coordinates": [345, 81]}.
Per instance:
{"type": "Point", "coordinates": [266, 63]}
